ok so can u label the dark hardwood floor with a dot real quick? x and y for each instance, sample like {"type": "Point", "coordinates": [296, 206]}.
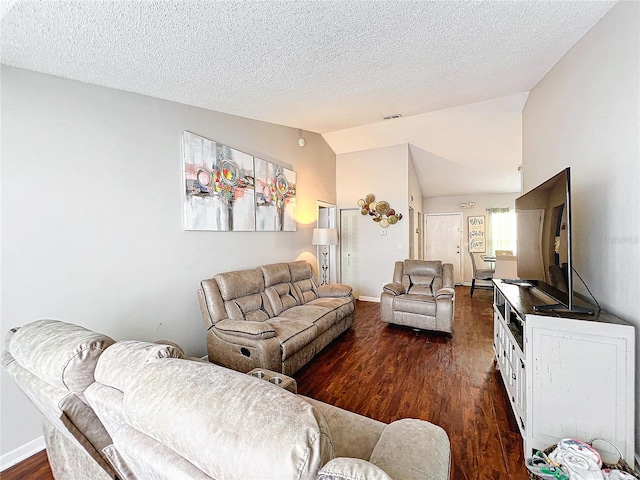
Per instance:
{"type": "Point", "coordinates": [33, 468]}
{"type": "Point", "coordinates": [387, 372]}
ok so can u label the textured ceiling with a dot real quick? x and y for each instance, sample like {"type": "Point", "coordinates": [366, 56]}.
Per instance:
{"type": "Point", "coordinates": [473, 148]}
{"type": "Point", "coordinates": [318, 65]}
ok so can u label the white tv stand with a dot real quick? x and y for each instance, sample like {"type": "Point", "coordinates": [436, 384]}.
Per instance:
{"type": "Point", "coordinates": [566, 374]}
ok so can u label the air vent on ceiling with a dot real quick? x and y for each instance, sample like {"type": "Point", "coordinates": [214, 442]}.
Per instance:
{"type": "Point", "coordinates": [391, 117]}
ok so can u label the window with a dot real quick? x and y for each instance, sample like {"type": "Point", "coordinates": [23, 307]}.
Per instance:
{"type": "Point", "coordinates": [502, 230]}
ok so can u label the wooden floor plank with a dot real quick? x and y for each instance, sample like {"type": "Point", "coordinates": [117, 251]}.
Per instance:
{"type": "Point", "coordinates": [387, 373]}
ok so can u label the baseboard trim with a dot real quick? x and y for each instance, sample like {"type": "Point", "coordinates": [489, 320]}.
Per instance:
{"type": "Point", "coordinates": [369, 299]}
{"type": "Point", "coordinates": [21, 453]}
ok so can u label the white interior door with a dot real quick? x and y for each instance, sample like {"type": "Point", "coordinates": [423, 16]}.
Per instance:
{"type": "Point", "coordinates": [443, 238]}
{"type": "Point", "coordinates": [349, 257]}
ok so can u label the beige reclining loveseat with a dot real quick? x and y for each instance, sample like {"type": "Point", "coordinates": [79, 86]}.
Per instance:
{"type": "Point", "coordinates": [273, 317]}
{"type": "Point", "coordinates": [421, 296]}
{"type": "Point", "coordinates": [135, 411]}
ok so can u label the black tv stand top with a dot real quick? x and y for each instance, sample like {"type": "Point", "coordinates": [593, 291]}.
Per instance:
{"type": "Point", "coordinates": [533, 300]}
{"type": "Point", "coordinates": [517, 281]}
{"type": "Point", "coordinates": [559, 307]}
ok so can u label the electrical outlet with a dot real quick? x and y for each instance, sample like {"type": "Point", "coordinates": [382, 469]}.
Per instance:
{"type": "Point", "coordinates": [383, 231]}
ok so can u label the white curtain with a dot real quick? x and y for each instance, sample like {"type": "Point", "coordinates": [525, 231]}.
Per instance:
{"type": "Point", "coordinates": [502, 228]}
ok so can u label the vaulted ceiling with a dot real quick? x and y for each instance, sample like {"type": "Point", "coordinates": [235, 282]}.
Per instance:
{"type": "Point", "coordinates": [457, 71]}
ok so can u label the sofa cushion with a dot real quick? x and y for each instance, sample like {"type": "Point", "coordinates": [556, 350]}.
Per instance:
{"type": "Point", "coordinates": [305, 290]}
{"type": "Point", "coordinates": [293, 334]}
{"type": "Point", "coordinates": [274, 435]}
{"type": "Point", "coordinates": [148, 458]}
{"type": "Point", "coordinates": [428, 268]}
{"type": "Point", "coordinates": [411, 303]}
{"type": "Point", "coordinates": [426, 455]}
{"type": "Point", "coordinates": [302, 279]}
{"type": "Point", "coordinates": [322, 317]}
{"type": "Point", "coordinates": [422, 277]}
{"type": "Point", "coordinates": [240, 283]}
{"type": "Point", "coordinates": [255, 308]}
{"type": "Point", "coordinates": [243, 295]}
{"type": "Point", "coordinates": [281, 297]}
{"type": "Point", "coordinates": [334, 290]}
{"type": "Point", "coordinates": [275, 273]}
{"type": "Point", "coordinates": [342, 306]}
{"type": "Point", "coordinates": [246, 328]}
{"type": "Point", "coordinates": [300, 270]}
{"type": "Point", "coordinates": [62, 354]}
{"type": "Point", "coordinates": [125, 358]}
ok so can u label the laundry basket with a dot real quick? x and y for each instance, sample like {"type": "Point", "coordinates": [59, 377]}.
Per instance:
{"type": "Point", "coordinates": [621, 464]}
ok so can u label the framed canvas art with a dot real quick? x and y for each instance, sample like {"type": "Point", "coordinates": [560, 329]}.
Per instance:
{"type": "Point", "coordinates": [219, 186]}
{"type": "Point", "coordinates": [275, 188]}
{"type": "Point", "coordinates": [477, 241]}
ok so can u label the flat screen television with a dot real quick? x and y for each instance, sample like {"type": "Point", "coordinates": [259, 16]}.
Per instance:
{"type": "Point", "coordinates": [544, 251]}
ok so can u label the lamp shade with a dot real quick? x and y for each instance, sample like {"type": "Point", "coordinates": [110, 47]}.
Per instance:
{"type": "Point", "coordinates": [325, 236]}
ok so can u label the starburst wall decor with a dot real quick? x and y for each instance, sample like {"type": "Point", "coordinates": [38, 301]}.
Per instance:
{"type": "Point", "coordinates": [381, 211]}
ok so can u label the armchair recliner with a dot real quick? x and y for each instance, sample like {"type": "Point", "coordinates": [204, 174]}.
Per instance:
{"type": "Point", "coordinates": [421, 296]}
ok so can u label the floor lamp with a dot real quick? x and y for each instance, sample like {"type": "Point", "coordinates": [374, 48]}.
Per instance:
{"type": "Point", "coordinates": [324, 237]}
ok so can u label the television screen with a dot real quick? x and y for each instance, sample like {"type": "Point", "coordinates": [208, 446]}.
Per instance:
{"type": "Point", "coordinates": [544, 233]}
{"type": "Point", "coordinates": [544, 241]}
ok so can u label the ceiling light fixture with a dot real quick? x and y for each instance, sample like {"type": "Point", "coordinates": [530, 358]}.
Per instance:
{"type": "Point", "coordinates": [301, 141]}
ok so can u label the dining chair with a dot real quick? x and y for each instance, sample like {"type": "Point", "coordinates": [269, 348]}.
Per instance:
{"type": "Point", "coordinates": [479, 274]}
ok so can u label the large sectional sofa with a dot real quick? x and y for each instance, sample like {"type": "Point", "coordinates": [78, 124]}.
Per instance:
{"type": "Point", "coordinates": [274, 317]}
{"type": "Point", "coordinates": [135, 411]}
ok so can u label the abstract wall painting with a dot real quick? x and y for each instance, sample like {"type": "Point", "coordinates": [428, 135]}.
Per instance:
{"type": "Point", "coordinates": [219, 186]}
{"type": "Point", "coordinates": [275, 197]}
{"type": "Point", "coordinates": [228, 190]}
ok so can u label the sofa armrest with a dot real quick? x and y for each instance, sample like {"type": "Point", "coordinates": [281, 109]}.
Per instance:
{"type": "Point", "coordinates": [246, 328]}
{"type": "Point", "coordinates": [344, 468]}
{"type": "Point", "coordinates": [394, 288]}
{"type": "Point", "coordinates": [445, 292]}
{"type": "Point", "coordinates": [413, 449]}
{"type": "Point", "coordinates": [334, 290]}
{"type": "Point", "coordinates": [447, 275]}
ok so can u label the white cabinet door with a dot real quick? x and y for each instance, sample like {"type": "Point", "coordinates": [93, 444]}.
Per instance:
{"type": "Point", "coordinates": [580, 376]}
{"type": "Point", "coordinates": [519, 388]}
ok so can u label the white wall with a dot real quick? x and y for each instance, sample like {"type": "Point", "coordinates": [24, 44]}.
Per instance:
{"type": "Point", "coordinates": [585, 114]}
{"type": "Point", "coordinates": [384, 173]}
{"type": "Point", "coordinates": [92, 215]}
{"type": "Point", "coordinates": [482, 202]}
